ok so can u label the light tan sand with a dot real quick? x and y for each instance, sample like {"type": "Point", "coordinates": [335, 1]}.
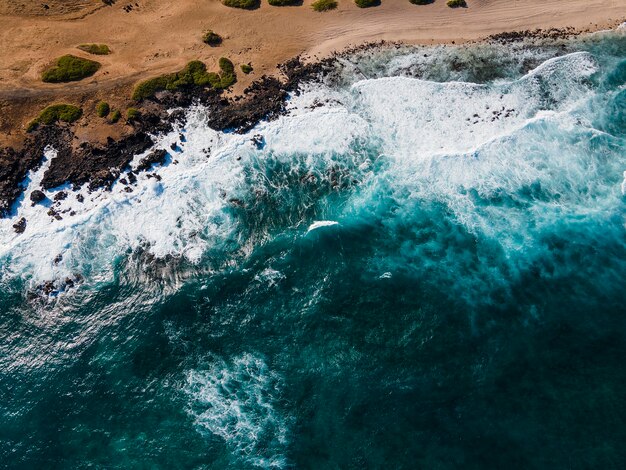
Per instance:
{"type": "Point", "coordinates": [160, 36]}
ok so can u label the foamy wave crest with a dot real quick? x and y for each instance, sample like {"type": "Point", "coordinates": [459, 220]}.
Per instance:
{"type": "Point", "coordinates": [237, 401]}
{"type": "Point", "coordinates": [219, 195]}
{"type": "Point", "coordinates": [422, 119]}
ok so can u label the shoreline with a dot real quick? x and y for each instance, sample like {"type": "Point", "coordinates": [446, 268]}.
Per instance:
{"type": "Point", "coordinates": [99, 163]}
{"type": "Point", "coordinates": [156, 37]}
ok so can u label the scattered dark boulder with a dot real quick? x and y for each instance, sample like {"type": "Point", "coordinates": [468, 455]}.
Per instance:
{"type": "Point", "coordinates": [37, 196]}
{"type": "Point", "coordinates": [156, 157]}
{"type": "Point", "coordinates": [20, 225]}
{"type": "Point", "coordinates": [60, 196]}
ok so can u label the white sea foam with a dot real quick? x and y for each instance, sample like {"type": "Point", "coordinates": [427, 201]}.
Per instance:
{"type": "Point", "coordinates": [446, 141]}
{"type": "Point", "coordinates": [321, 223]}
{"type": "Point", "coordinates": [237, 402]}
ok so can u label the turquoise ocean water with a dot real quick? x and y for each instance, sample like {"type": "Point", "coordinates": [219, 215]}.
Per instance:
{"type": "Point", "coordinates": [422, 266]}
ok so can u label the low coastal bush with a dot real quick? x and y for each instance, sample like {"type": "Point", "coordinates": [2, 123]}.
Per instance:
{"type": "Point", "coordinates": [283, 3]}
{"type": "Point", "coordinates": [70, 68]}
{"type": "Point", "coordinates": [102, 109]}
{"type": "Point", "coordinates": [132, 114]}
{"type": "Point", "coordinates": [246, 68]}
{"type": "Point", "coordinates": [456, 3]}
{"type": "Point", "coordinates": [55, 113]}
{"type": "Point", "coordinates": [194, 74]}
{"type": "Point", "coordinates": [367, 3]}
{"type": "Point", "coordinates": [96, 49]}
{"type": "Point", "coordinates": [324, 5]}
{"type": "Point", "coordinates": [211, 38]}
{"type": "Point", "coordinates": [245, 4]}
{"type": "Point", "coordinates": [421, 2]}
{"type": "Point", "coordinates": [115, 116]}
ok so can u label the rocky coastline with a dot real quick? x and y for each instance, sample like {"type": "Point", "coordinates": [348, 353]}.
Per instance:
{"type": "Point", "coordinates": [100, 165]}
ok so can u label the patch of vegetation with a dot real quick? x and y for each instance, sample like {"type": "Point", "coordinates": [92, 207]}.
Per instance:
{"type": "Point", "coordinates": [194, 74]}
{"type": "Point", "coordinates": [132, 114]}
{"type": "Point", "coordinates": [421, 2]}
{"type": "Point", "coordinates": [246, 68]}
{"type": "Point", "coordinates": [367, 3]}
{"type": "Point", "coordinates": [283, 3]}
{"type": "Point", "coordinates": [245, 4]}
{"type": "Point", "coordinates": [103, 109]}
{"type": "Point", "coordinates": [96, 49]}
{"type": "Point", "coordinates": [55, 113]}
{"type": "Point", "coordinates": [211, 38]}
{"type": "Point", "coordinates": [115, 116]}
{"type": "Point", "coordinates": [70, 68]}
{"type": "Point", "coordinates": [456, 3]}
{"type": "Point", "coordinates": [324, 5]}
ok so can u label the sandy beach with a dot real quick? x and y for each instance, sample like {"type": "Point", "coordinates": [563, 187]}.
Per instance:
{"type": "Point", "coordinates": [158, 36]}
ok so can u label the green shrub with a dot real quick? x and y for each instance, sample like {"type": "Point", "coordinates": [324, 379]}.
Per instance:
{"type": "Point", "coordinates": [115, 116]}
{"type": "Point", "coordinates": [194, 74]}
{"type": "Point", "coordinates": [211, 38]}
{"type": "Point", "coordinates": [421, 2]}
{"type": "Point", "coordinates": [54, 113]}
{"type": "Point", "coordinates": [102, 109]}
{"type": "Point", "coordinates": [226, 65]}
{"type": "Point", "coordinates": [282, 3]}
{"type": "Point", "coordinates": [246, 68]}
{"type": "Point", "coordinates": [96, 49]}
{"type": "Point", "coordinates": [367, 3]}
{"type": "Point", "coordinates": [132, 114]}
{"type": "Point", "coordinates": [245, 4]}
{"type": "Point", "coordinates": [324, 5]}
{"type": "Point", "coordinates": [456, 3]}
{"type": "Point", "coordinates": [70, 68]}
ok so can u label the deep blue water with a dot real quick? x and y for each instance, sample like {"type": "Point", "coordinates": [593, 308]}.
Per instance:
{"type": "Point", "coordinates": [427, 271]}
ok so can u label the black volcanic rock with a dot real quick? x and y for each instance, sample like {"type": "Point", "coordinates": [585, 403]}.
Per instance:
{"type": "Point", "coordinates": [37, 196]}
{"type": "Point", "coordinates": [15, 164]}
{"type": "Point", "coordinates": [60, 196]}
{"type": "Point", "coordinates": [100, 166]}
{"type": "Point", "coordinates": [20, 226]}
{"type": "Point", "coordinates": [97, 165]}
{"type": "Point", "coordinates": [158, 156]}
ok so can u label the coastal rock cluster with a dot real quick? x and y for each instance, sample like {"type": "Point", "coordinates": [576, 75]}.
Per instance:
{"type": "Point", "coordinates": [100, 165]}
